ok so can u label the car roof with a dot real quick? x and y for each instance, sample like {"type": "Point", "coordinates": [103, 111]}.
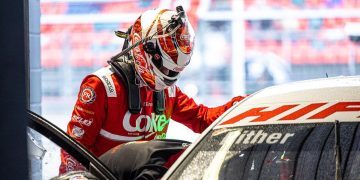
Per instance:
{"type": "Point", "coordinates": [317, 100]}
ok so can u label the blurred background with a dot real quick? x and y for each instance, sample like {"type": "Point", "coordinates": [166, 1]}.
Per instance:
{"type": "Point", "coordinates": [241, 46]}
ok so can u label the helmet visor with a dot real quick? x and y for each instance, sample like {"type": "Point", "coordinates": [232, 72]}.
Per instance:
{"type": "Point", "coordinates": [176, 49]}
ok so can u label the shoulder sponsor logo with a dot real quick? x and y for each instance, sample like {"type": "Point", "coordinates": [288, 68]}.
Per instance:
{"type": "Point", "coordinates": [259, 137]}
{"type": "Point", "coordinates": [108, 84]}
{"type": "Point", "coordinates": [81, 120]}
{"type": "Point", "coordinates": [87, 95]}
{"type": "Point", "coordinates": [314, 111]}
{"type": "Point", "coordinates": [105, 75]}
{"type": "Point", "coordinates": [77, 132]}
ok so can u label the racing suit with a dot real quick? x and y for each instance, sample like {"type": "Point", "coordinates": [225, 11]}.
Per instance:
{"type": "Point", "coordinates": [101, 119]}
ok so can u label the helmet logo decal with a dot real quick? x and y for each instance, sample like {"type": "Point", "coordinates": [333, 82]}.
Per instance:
{"type": "Point", "coordinates": [184, 37]}
{"type": "Point", "coordinates": [157, 56]}
{"type": "Point", "coordinates": [137, 26]}
{"type": "Point", "coordinates": [137, 51]}
{"type": "Point", "coordinates": [183, 40]}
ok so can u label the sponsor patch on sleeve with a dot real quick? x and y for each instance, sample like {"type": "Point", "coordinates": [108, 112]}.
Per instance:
{"type": "Point", "coordinates": [72, 164]}
{"type": "Point", "coordinates": [85, 110]}
{"type": "Point", "coordinates": [87, 95]}
{"type": "Point", "coordinates": [81, 120]}
{"type": "Point", "coordinates": [77, 132]}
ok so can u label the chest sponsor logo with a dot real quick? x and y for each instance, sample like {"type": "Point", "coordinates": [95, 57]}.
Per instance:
{"type": "Point", "coordinates": [77, 132]}
{"type": "Point", "coordinates": [87, 95]}
{"type": "Point", "coordinates": [81, 120]}
{"type": "Point", "coordinates": [145, 123]}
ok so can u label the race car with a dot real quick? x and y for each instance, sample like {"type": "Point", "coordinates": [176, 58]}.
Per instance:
{"type": "Point", "coordinates": [301, 130]}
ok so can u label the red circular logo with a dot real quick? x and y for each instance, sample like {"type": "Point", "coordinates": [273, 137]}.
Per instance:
{"type": "Point", "coordinates": [87, 95]}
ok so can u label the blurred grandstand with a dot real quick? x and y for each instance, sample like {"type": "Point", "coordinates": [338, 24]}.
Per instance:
{"type": "Point", "coordinates": [282, 40]}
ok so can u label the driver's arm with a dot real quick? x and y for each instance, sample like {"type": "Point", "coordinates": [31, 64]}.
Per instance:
{"type": "Point", "coordinates": [86, 119]}
{"type": "Point", "coordinates": [197, 117]}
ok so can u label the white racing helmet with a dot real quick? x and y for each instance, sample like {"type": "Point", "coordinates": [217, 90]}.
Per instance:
{"type": "Point", "coordinates": [166, 44]}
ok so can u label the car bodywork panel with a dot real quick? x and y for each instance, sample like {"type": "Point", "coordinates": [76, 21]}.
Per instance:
{"type": "Point", "coordinates": [277, 151]}
{"type": "Point", "coordinates": [318, 101]}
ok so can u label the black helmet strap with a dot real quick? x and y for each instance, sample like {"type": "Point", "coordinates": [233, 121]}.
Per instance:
{"type": "Point", "coordinates": [126, 72]}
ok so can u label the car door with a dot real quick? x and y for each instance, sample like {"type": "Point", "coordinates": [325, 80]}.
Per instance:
{"type": "Point", "coordinates": [53, 139]}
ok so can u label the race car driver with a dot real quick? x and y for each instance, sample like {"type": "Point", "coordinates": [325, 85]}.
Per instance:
{"type": "Point", "coordinates": [135, 97]}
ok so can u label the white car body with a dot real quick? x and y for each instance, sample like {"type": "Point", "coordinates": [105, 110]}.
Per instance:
{"type": "Point", "coordinates": [310, 101]}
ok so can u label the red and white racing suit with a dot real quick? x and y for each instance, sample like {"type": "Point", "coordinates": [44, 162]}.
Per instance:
{"type": "Point", "coordinates": [101, 119]}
